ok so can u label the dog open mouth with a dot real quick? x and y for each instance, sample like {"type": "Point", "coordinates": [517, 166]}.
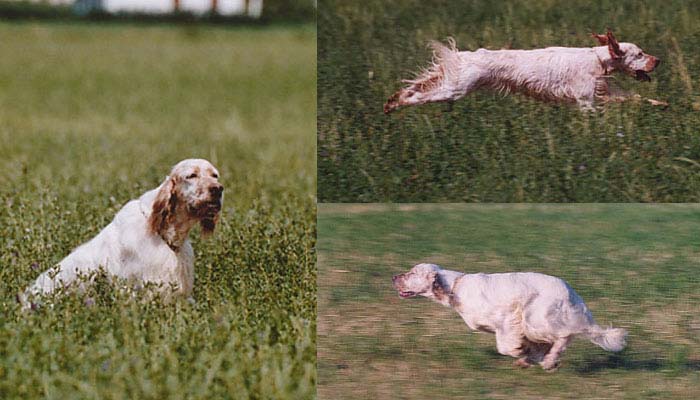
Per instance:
{"type": "Point", "coordinates": [641, 75]}
{"type": "Point", "coordinates": [405, 295]}
{"type": "Point", "coordinates": [212, 208]}
{"type": "Point", "coordinates": [206, 210]}
{"type": "Point", "coordinates": [214, 205]}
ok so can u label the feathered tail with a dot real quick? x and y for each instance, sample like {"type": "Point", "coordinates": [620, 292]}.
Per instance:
{"type": "Point", "coordinates": [445, 64]}
{"type": "Point", "coordinates": [610, 339]}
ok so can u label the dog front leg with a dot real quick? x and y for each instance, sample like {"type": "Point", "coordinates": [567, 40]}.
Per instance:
{"type": "Point", "coordinates": [634, 97]}
{"type": "Point", "coordinates": [617, 95]}
{"type": "Point", "coordinates": [551, 360]}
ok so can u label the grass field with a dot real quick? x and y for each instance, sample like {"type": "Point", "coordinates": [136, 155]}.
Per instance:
{"type": "Point", "coordinates": [491, 148]}
{"type": "Point", "coordinates": [636, 266]}
{"type": "Point", "coordinates": [92, 116]}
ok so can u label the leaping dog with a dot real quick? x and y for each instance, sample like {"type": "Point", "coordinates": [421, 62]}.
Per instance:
{"type": "Point", "coordinates": [556, 74]}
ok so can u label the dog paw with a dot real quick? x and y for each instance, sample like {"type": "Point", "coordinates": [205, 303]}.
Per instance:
{"type": "Point", "coordinates": [550, 366]}
{"type": "Point", "coordinates": [522, 363]}
{"type": "Point", "coordinates": [657, 103]}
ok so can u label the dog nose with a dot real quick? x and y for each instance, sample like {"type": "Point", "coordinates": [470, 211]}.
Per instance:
{"type": "Point", "coordinates": [216, 190]}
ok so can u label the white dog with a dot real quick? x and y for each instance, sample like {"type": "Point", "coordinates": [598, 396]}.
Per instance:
{"type": "Point", "coordinates": [557, 74]}
{"type": "Point", "coordinates": [147, 240]}
{"type": "Point", "coordinates": [534, 316]}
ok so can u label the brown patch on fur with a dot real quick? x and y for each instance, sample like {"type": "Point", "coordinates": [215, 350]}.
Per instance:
{"type": "Point", "coordinates": [602, 89]}
{"type": "Point", "coordinates": [431, 81]}
{"type": "Point", "coordinates": [602, 39]}
{"type": "Point", "coordinates": [609, 40]}
{"type": "Point", "coordinates": [440, 290]}
{"type": "Point", "coordinates": [652, 62]}
{"type": "Point", "coordinates": [506, 86]}
{"type": "Point", "coordinates": [163, 207]}
{"type": "Point", "coordinates": [613, 46]}
{"type": "Point", "coordinates": [428, 80]}
{"type": "Point", "coordinates": [392, 102]}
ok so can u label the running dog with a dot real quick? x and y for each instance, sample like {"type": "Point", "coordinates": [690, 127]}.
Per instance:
{"type": "Point", "coordinates": [534, 316]}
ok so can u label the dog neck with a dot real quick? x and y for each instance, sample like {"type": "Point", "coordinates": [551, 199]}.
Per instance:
{"type": "Point", "coordinates": [607, 63]}
{"type": "Point", "coordinates": [443, 287]}
{"type": "Point", "coordinates": [175, 232]}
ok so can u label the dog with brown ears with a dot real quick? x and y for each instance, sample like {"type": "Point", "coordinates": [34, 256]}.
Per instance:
{"type": "Point", "coordinates": [148, 238]}
{"type": "Point", "coordinates": [556, 74]}
{"type": "Point", "coordinates": [534, 316]}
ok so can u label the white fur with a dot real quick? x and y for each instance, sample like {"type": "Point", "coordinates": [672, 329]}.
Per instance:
{"type": "Point", "coordinates": [558, 74]}
{"type": "Point", "coordinates": [129, 248]}
{"type": "Point", "coordinates": [534, 316]}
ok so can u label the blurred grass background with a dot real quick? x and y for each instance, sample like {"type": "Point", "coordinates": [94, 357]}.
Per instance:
{"type": "Point", "coordinates": [273, 12]}
{"type": "Point", "coordinates": [92, 116]}
{"type": "Point", "coordinates": [634, 265]}
{"type": "Point", "coordinates": [491, 148]}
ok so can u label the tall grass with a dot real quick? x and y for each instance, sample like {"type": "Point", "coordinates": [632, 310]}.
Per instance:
{"type": "Point", "coordinates": [490, 148]}
{"type": "Point", "coordinates": [92, 116]}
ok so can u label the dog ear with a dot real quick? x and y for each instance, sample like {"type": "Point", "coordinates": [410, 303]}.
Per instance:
{"type": "Point", "coordinates": [437, 282]}
{"type": "Point", "coordinates": [602, 39]}
{"type": "Point", "coordinates": [613, 46]}
{"type": "Point", "coordinates": [439, 288]}
{"type": "Point", "coordinates": [163, 206]}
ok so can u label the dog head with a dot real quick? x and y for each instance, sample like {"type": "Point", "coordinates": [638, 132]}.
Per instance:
{"type": "Point", "coordinates": [191, 192]}
{"type": "Point", "coordinates": [628, 57]}
{"type": "Point", "coordinates": [421, 280]}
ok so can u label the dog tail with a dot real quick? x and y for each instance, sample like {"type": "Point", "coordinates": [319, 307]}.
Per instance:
{"type": "Point", "coordinates": [445, 56]}
{"type": "Point", "coordinates": [610, 339]}
{"type": "Point", "coordinates": [445, 61]}
{"type": "Point", "coordinates": [441, 51]}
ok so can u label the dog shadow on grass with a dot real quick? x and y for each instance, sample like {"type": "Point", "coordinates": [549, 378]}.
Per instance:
{"type": "Point", "coordinates": [658, 362]}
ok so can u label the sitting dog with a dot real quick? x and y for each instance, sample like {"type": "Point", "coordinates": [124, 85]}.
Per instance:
{"type": "Point", "coordinates": [147, 240]}
{"type": "Point", "coordinates": [534, 316]}
{"type": "Point", "coordinates": [557, 74]}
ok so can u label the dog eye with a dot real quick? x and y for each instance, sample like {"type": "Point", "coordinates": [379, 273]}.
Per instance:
{"type": "Point", "coordinates": [215, 176]}
{"type": "Point", "coordinates": [191, 176]}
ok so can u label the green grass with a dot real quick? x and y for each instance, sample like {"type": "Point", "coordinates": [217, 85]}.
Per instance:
{"type": "Point", "coordinates": [491, 148]}
{"type": "Point", "coordinates": [92, 116]}
{"type": "Point", "coordinates": [636, 266]}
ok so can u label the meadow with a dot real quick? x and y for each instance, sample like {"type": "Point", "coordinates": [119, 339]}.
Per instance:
{"type": "Point", "coordinates": [493, 148]}
{"type": "Point", "coordinates": [634, 265]}
{"type": "Point", "coordinates": [94, 115]}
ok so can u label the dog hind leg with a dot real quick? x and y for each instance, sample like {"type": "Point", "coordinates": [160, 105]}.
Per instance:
{"type": "Point", "coordinates": [432, 89]}
{"type": "Point", "coordinates": [449, 77]}
{"type": "Point", "coordinates": [509, 342]}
